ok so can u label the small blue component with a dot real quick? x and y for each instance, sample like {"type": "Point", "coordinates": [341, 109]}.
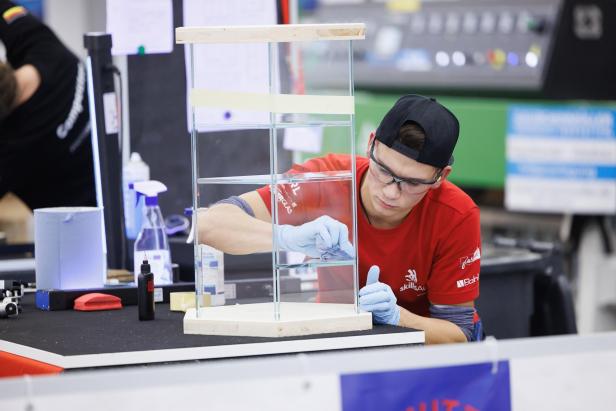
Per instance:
{"type": "Point", "coordinates": [335, 254]}
{"type": "Point", "coordinates": [42, 300]}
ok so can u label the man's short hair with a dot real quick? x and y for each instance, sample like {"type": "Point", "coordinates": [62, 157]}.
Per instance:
{"type": "Point", "coordinates": [412, 135]}
{"type": "Point", "coordinates": [8, 89]}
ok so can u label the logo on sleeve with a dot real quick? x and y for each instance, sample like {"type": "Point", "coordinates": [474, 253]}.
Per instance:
{"type": "Point", "coordinates": [286, 198]}
{"type": "Point", "coordinates": [13, 14]}
{"type": "Point", "coordinates": [468, 260]}
{"type": "Point", "coordinates": [467, 281]}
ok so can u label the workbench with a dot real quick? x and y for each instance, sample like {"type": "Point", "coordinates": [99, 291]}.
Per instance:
{"type": "Point", "coordinates": [53, 341]}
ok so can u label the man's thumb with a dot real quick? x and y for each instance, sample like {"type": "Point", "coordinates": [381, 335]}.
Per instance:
{"type": "Point", "coordinates": [373, 274]}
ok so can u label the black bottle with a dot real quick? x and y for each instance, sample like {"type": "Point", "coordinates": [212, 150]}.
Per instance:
{"type": "Point", "coordinates": [145, 292]}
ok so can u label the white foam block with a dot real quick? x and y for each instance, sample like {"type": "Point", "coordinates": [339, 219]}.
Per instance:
{"type": "Point", "coordinates": [185, 300]}
{"type": "Point", "coordinates": [257, 320]}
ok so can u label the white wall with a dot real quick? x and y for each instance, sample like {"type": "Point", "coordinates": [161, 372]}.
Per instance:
{"type": "Point", "coordinates": [70, 19]}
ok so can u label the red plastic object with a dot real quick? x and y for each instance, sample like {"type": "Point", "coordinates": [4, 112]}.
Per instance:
{"type": "Point", "coordinates": [97, 302]}
{"type": "Point", "coordinates": [12, 365]}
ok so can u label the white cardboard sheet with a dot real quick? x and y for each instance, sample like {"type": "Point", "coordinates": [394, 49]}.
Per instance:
{"type": "Point", "coordinates": [228, 67]}
{"type": "Point", "coordinates": [140, 26]}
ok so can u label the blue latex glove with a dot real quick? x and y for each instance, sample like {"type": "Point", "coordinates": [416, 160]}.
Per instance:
{"type": "Point", "coordinates": [316, 237]}
{"type": "Point", "coordinates": [379, 299]}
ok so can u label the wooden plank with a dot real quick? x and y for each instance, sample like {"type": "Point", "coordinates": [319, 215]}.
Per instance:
{"type": "Point", "coordinates": [257, 320]}
{"type": "Point", "coordinates": [275, 103]}
{"type": "Point", "coordinates": [270, 33]}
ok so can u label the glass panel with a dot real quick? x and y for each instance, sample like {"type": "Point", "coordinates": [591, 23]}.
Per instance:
{"type": "Point", "coordinates": [326, 276]}
{"type": "Point", "coordinates": [274, 77]}
{"type": "Point", "coordinates": [284, 178]}
{"type": "Point", "coordinates": [280, 155]}
{"type": "Point", "coordinates": [194, 152]}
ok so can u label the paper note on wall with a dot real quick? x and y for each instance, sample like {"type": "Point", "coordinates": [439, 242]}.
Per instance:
{"type": "Point", "coordinates": [231, 66]}
{"type": "Point", "coordinates": [304, 139]}
{"type": "Point", "coordinates": [140, 26]}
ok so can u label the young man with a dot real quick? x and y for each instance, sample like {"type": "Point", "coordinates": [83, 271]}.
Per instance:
{"type": "Point", "coordinates": [418, 234]}
{"type": "Point", "coordinates": [45, 149]}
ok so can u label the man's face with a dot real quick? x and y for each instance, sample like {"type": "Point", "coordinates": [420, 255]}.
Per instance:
{"type": "Point", "coordinates": [390, 202]}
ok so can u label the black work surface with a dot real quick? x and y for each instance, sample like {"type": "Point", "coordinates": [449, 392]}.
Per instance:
{"type": "Point", "coordinates": [97, 332]}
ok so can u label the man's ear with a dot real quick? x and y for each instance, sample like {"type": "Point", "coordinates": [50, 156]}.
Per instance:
{"type": "Point", "coordinates": [446, 171]}
{"type": "Point", "coordinates": [372, 136]}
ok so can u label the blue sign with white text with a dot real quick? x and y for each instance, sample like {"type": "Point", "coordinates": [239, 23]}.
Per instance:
{"type": "Point", "coordinates": [472, 387]}
{"type": "Point", "coordinates": [578, 142]}
{"type": "Point", "coordinates": [561, 159]}
{"type": "Point", "coordinates": [561, 122]}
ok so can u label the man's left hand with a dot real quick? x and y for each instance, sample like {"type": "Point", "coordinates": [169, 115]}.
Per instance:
{"type": "Point", "coordinates": [379, 299]}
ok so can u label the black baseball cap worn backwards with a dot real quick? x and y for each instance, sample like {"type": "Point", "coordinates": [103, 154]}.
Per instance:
{"type": "Point", "coordinates": [438, 123]}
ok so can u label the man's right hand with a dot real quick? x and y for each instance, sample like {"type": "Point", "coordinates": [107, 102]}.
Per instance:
{"type": "Point", "coordinates": [315, 237]}
{"type": "Point", "coordinates": [378, 298]}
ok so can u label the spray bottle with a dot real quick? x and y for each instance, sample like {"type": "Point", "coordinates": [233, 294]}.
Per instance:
{"type": "Point", "coordinates": [134, 170]}
{"type": "Point", "coordinates": [151, 243]}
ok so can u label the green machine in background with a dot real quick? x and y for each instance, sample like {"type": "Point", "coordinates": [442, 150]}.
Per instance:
{"type": "Point", "coordinates": [478, 58]}
{"type": "Point", "coordinates": [480, 153]}
{"type": "Point", "coordinates": [487, 60]}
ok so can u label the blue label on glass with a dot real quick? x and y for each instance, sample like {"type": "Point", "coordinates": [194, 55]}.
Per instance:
{"type": "Point", "coordinates": [459, 388]}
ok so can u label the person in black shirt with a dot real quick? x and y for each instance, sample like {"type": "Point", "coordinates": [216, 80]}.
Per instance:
{"type": "Point", "coordinates": [45, 148]}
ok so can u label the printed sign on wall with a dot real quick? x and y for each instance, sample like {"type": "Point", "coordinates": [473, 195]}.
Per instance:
{"type": "Point", "coordinates": [474, 387]}
{"type": "Point", "coordinates": [561, 159]}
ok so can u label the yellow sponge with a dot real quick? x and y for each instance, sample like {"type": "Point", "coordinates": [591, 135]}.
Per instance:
{"type": "Point", "coordinates": [182, 301]}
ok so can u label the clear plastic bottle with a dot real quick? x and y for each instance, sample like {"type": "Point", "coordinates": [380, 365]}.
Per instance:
{"type": "Point", "coordinates": [135, 170]}
{"type": "Point", "coordinates": [152, 243]}
{"type": "Point", "coordinates": [211, 266]}
{"type": "Point", "coordinates": [213, 273]}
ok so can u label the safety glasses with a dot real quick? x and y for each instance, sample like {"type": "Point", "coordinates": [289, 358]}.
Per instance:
{"type": "Point", "coordinates": [405, 184]}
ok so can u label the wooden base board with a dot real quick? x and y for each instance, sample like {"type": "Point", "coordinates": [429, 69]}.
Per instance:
{"type": "Point", "coordinates": [257, 320]}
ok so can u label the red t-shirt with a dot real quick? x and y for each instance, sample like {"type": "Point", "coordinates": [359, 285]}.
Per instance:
{"type": "Point", "coordinates": [432, 256]}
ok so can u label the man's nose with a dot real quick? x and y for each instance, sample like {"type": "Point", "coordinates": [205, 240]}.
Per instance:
{"type": "Point", "coordinates": [391, 190]}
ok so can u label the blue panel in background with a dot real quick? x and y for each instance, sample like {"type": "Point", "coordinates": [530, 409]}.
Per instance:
{"type": "Point", "coordinates": [561, 159]}
{"type": "Point", "coordinates": [458, 388]}
{"type": "Point", "coordinates": [35, 7]}
{"type": "Point", "coordinates": [562, 171]}
{"type": "Point", "coordinates": [562, 122]}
